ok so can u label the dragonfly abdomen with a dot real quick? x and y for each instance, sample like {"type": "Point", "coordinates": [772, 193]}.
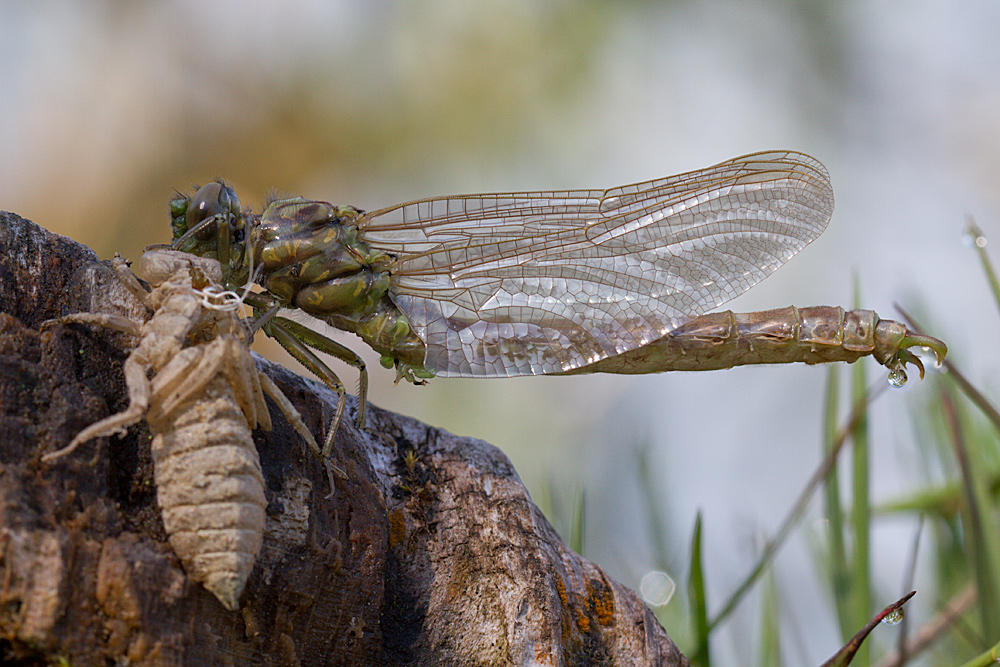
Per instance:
{"type": "Point", "coordinates": [813, 335]}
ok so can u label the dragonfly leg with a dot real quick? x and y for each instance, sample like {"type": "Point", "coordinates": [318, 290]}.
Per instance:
{"type": "Point", "coordinates": [114, 322]}
{"type": "Point", "coordinates": [304, 338]}
{"type": "Point", "coordinates": [301, 352]}
{"type": "Point", "coordinates": [318, 341]}
{"type": "Point", "coordinates": [297, 339]}
{"type": "Point", "coordinates": [130, 282]}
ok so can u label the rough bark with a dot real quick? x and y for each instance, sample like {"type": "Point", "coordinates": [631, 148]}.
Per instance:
{"type": "Point", "coordinates": [429, 553]}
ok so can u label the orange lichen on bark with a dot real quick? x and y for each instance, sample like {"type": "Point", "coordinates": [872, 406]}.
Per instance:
{"type": "Point", "coordinates": [602, 601]}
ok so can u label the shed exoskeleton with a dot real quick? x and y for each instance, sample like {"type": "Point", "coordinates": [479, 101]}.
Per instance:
{"type": "Point", "coordinates": [204, 398]}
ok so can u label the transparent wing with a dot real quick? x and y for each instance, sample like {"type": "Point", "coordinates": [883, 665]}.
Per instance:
{"type": "Point", "coordinates": [543, 282]}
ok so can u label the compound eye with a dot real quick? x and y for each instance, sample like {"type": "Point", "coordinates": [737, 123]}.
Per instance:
{"type": "Point", "coordinates": [210, 200]}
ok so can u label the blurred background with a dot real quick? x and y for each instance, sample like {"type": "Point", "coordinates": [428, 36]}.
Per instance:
{"type": "Point", "coordinates": [106, 107]}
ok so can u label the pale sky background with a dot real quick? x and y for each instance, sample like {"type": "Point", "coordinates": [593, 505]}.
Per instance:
{"type": "Point", "coordinates": [106, 107]}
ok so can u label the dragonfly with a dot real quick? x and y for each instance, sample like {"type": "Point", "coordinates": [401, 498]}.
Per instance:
{"type": "Point", "coordinates": [621, 280]}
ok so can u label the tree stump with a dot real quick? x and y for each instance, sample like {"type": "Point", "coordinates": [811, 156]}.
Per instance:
{"type": "Point", "coordinates": [429, 553]}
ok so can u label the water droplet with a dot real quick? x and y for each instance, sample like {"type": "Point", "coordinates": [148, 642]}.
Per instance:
{"type": "Point", "coordinates": [897, 377]}
{"type": "Point", "coordinates": [894, 617]}
{"type": "Point", "coordinates": [934, 361]}
{"type": "Point", "coordinates": [657, 588]}
{"type": "Point", "coordinates": [973, 240]}
{"type": "Point", "coordinates": [929, 358]}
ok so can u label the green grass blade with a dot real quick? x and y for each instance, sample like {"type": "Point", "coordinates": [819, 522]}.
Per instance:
{"type": "Point", "coordinates": [698, 601]}
{"type": "Point", "coordinates": [656, 523]}
{"type": "Point", "coordinates": [799, 508]}
{"type": "Point", "coordinates": [672, 612]}
{"type": "Point", "coordinates": [940, 502]}
{"type": "Point", "coordinates": [970, 391]}
{"type": "Point", "coordinates": [860, 584]}
{"type": "Point", "coordinates": [576, 534]}
{"type": "Point", "coordinates": [543, 496]}
{"type": "Point", "coordinates": [986, 658]}
{"type": "Point", "coordinates": [983, 541]}
{"type": "Point", "coordinates": [860, 509]}
{"type": "Point", "coordinates": [908, 579]}
{"type": "Point", "coordinates": [770, 624]}
{"type": "Point", "coordinates": [979, 243]}
{"type": "Point", "coordinates": [837, 564]}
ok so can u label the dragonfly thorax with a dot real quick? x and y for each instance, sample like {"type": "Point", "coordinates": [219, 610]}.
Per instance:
{"type": "Point", "coordinates": [310, 256]}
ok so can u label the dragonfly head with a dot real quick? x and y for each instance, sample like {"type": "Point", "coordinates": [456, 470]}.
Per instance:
{"type": "Point", "coordinates": [212, 224]}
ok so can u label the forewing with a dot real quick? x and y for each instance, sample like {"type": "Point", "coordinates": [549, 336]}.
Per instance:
{"type": "Point", "coordinates": [543, 282]}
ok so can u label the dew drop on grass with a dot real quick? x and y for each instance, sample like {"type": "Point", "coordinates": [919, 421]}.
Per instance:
{"type": "Point", "coordinates": [897, 377]}
{"type": "Point", "coordinates": [893, 617]}
{"type": "Point", "coordinates": [973, 239]}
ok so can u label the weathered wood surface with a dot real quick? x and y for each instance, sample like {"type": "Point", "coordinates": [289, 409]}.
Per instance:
{"type": "Point", "coordinates": [430, 553]}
